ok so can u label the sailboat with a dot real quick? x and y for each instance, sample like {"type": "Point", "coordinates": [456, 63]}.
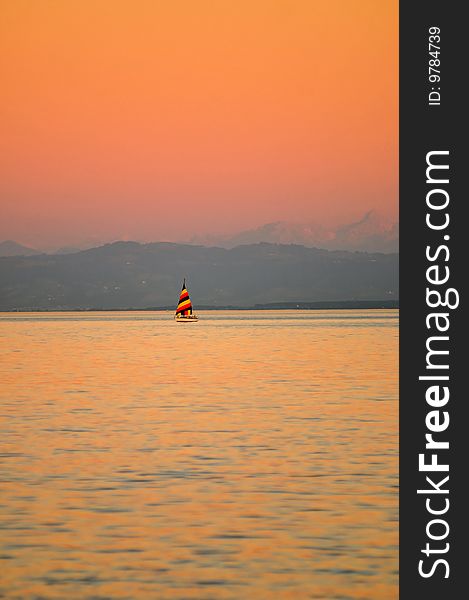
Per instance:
{"type": "Point", "coordinates": [184, 312]}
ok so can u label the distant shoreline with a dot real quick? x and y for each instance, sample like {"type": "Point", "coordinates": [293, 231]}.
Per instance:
{"type": "Point", "coordinates": [320, 305]}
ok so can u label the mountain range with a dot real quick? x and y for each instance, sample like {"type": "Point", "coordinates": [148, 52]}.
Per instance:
{"type": "Point", "coordinates": [11, 248]}
{"type": "Point", "coordinates": [372, 233]}
{"type": "Point", "coordinates": [133, 275]}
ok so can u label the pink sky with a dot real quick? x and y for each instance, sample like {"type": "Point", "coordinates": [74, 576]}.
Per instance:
{"type": "Point", "coordinates": [157, 120]}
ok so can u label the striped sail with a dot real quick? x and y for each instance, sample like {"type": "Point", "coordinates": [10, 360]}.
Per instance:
{"type": "Point", "coordinates": [184, 306]}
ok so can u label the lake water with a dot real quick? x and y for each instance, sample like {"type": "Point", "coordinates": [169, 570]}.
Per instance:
{"type": "Point", "coordinates": [252, 455]}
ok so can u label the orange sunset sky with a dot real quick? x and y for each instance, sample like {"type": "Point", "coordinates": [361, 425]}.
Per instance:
{"type": "Point", "coordinates": [156, 120]}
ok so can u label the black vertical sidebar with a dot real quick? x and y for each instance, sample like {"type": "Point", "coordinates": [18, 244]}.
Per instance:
{"type": "Point", "coordinates": [425, 128]}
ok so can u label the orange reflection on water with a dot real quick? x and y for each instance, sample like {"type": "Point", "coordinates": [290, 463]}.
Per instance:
{"type": "Point", "coordinates": [250, 455]}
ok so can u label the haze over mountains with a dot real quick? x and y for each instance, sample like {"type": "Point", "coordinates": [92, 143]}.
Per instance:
{"type": "Point", "coordinates": [276, 263]}
{"type": "Point", "coordinates": [11, 248]}
{"type": "Point", "coordinates": [132, 275]}
{"type": "Point", "coordinates": [371, 233]}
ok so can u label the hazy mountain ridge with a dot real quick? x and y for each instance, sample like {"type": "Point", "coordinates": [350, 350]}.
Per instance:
{"type": "Point", "coordinates": [372, 233]}
{"type": "Point", "coordinates": [133, 275]}
{"type": "Point", "coordinates": [11, 248]}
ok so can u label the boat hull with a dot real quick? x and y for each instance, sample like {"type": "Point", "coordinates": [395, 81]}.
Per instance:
{"type": "Point", "coordinates": [191, 319]}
